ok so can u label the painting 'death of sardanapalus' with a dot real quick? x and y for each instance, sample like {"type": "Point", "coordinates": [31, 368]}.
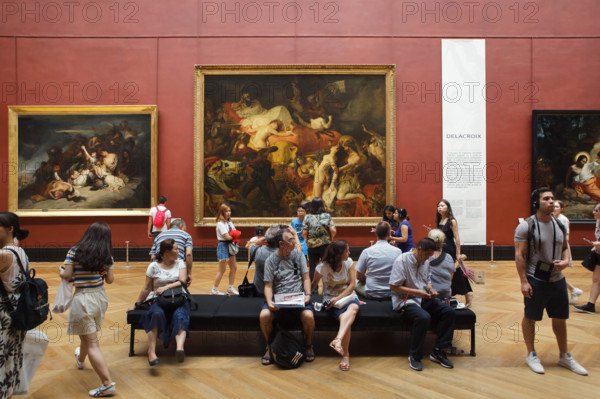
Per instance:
{"type": "Point", "coordinates": [566, 148]}
{"type": "Point", "coordinates": [268, 138]}
{"type": "Point", "coordinates": [80, 161]}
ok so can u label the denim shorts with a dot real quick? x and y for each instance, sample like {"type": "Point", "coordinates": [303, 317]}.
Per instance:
{"type": "Point", "coordinates": [336, 313]}
{"type": "Point", "coordinates": [223, 250]}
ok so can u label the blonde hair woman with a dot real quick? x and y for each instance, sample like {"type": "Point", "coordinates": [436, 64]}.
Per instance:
{"type": "Point", "coordinates": [224, 228]}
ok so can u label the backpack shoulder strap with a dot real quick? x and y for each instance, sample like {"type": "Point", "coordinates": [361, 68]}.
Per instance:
{"type": "Point", "coordinates": [23, 270]}
{"type": "Point", "coordinates": [3, 292]}
{"type": "Point", "coordinates": [560, 224]}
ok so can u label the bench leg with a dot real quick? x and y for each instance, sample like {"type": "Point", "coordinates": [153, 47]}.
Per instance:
{"type": "Point", "coordinates": [131, 341]}
{"type": "Point", "coordinates": [473, 341]}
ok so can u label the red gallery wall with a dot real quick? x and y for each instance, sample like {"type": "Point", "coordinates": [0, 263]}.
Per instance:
{"type": "Point", "coordinates": [539, 55]}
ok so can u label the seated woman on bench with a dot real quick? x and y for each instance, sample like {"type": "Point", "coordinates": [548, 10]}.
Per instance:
{"type": "Point", "coordinates": [165, 273]}
{"type": "Point", "coordinates": [339, 280]}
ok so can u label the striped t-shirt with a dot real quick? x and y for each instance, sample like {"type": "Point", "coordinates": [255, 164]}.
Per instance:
{"type": "Point", "coordinates": [182, 238]}
{"type": "Point", "coordinates": [81, 277]}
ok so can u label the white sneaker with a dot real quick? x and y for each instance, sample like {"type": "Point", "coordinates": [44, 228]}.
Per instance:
{"type": "Point", "coordinates": [79, 364]}
{"type": "Point", "coordinates": [215, 292]}
{"type": "Point", "coordinates": [569, 363]}
{"type": "Point", "coordinates": [534, 363]}
{"type": "Point", "coordinates": [103, 391]}
{"type": "Point", "coordinates": [575, 295]}
{"type": "Point", "coordinates": [232, 291]}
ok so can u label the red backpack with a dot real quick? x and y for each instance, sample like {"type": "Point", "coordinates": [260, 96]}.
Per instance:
{"type": "Point", "coordinates": [159, 218]}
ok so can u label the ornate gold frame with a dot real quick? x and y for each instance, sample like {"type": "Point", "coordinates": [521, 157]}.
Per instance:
{"type": "Point", "coordinates": [13, 118]}
{"type": "Point", "coordinates": [202, 70]}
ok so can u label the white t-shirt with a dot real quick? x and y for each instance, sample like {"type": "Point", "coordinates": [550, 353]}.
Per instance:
{"type": "Point", "coordinates": [224, 228]}
{"type": "Point", "coordinates": [9, 276]}
{"type": "Point", "coordinates": [162, 277]}
{"type": "Point", "coordinates": [334, 283]}
{"type": "Point", "coordinates": [153, 214]}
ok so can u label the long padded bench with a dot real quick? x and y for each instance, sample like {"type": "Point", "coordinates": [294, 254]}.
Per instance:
{"type": "Point", "coordinates": [234, 313]}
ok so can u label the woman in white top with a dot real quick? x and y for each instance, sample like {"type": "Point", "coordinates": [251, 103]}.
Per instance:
{"type": "Point", "coordinates": [559, 206]}
{"type": "Point", "coordinates": [165, 273]}
{"type": "Point", "coordinates": [224, 227]}
{"type": "Point", "coordinates": [590, 307]}
{"type": "Point", "coordinates": [11, 340]}
{"type": "Point", "coordinates": [339, 279]}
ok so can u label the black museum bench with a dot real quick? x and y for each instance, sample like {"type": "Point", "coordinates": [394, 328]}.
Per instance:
{"type": "Point", "coordinates": [235, 313]}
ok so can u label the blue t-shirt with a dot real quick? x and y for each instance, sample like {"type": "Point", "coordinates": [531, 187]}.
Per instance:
{"type": "Point", "coordinates": [408, 245]}
{"type": "Point", "coordinates": [297, 225]}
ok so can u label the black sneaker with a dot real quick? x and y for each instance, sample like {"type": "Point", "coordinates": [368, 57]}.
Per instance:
{"type": "Point", "coordinates": [415, 364]}
{"type": "Point", "coordinates": [587, 308]}
{"type": "Point", "coordinates": [439, 356]}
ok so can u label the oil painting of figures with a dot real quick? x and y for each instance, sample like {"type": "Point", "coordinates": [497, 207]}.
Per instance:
{"type": "Point", "coordinates": [271, 141]}
{"type": "Point", "coordinates": [82, 162]}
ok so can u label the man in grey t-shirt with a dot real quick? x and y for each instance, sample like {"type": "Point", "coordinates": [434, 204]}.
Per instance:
{"type": "Point", "coordinates": [286, 273]}
{"type": "Point", "coordinates": [541, 253]}
{"type": "Point", "coordinates": [377, 260]}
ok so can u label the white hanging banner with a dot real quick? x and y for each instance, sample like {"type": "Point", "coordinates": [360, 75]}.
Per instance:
{"type": "Point", "coordinates": [464, 142]}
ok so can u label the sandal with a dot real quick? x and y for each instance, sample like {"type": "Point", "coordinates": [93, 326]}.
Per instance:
{"type": "Point", "coordinates": [344, 366]}
{"type": "Point", "coordinates": [266, 360]}
{"type": "Point", "coordinates": [336, 345]}
{"type": "Point", "coordinates": [309, 357]}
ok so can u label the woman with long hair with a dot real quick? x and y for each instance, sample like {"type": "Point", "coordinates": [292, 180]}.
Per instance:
{"type": "Point", "coordinates": [403, 236]}
{"type": "Point", "coordinates": [590, 307]}
{"type": "Point", "coordinates": [339, 279]}
{"type": "Point", "coordinates": [388, 216]}
{"type": "Point", "coordinates": [224, 228]}
{"type": "Point", "coordinates": [11, 339]}
{"type": "Point", "coordinates": [166, 272]}
{"type": "Point", "coordinates": [318, 230]}
{"type": "Point", "coordinates": [90, 264]}
{"type": "Point", "coordinates": [445, 221]}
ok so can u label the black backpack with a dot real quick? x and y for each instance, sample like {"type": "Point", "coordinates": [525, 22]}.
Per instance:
{"type": "Point", "coordinates": [286, 350]}
{"type": "Point", "coordinates": [32, 306]}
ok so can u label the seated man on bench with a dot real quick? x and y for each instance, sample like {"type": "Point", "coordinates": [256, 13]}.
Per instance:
{"type": "Point", "coordinates": [412, 293]}
{"type": "Point", "coordinates": [286, 273]}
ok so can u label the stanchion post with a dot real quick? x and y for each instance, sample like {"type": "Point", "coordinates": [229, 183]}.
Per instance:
{"type": "Point", "coordinates": [492, 254]}
{"type": "Point", "coordinates": [127, 255]}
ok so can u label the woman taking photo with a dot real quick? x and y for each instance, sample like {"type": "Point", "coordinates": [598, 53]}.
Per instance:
{"type": "Point", "coordinates": [445, 221]}
{"type": "Point", "coordinates": [339, 279]}
{"type": "Point", "coordinates": [403, 236]}
{"type": "Point", "coordinates": [318, 230]}
{"type": "Point", "coordinates": [165, 273]}
{"type": "Point", "coordinates": [11, 340]}
{"type": "Point", "coordinates": [90, 264]}
{"type": "Point", "coordinates": [224, 228]}
{"type": "Point", "coordinates": [590, 307]}
{"type": "Point", "coordinates": [388, 216]}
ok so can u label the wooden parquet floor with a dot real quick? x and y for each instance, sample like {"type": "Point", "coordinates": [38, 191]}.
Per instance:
{"type": "Point", "coordinates": [227, 365]}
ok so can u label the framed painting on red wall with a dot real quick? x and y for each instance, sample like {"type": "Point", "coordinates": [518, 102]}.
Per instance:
{"type": "Point", "coordinates": [82, 160]}
{"type": "Point", "coordinates": [566, 158]}
{"type": "Point", "coordinates": [268, 137]}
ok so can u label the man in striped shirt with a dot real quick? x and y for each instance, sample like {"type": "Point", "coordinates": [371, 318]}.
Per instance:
{"type": "Point", "coordinates": [184, 244]}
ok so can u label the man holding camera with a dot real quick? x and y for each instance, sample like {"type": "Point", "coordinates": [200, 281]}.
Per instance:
{"type": "Point", "coordinates": [541, 253]}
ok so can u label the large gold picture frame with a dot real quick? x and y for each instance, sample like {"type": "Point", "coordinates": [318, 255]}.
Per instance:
{"type": "Point", "coordinates": [267, 137]}
{"type": "Point", "coordinates": [82, 160]}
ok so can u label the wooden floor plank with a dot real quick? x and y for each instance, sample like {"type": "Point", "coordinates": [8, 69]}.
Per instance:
{"type": "Point", "coordinates": [214, 369]}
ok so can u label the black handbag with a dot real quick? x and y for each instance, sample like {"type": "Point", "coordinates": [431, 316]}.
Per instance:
{"type": "Point", "coordinates": [173, 298]}
{"type": "Point", "coordinates": [590, 261]}
{"type": "Point", "coordinates": [247, 289]}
